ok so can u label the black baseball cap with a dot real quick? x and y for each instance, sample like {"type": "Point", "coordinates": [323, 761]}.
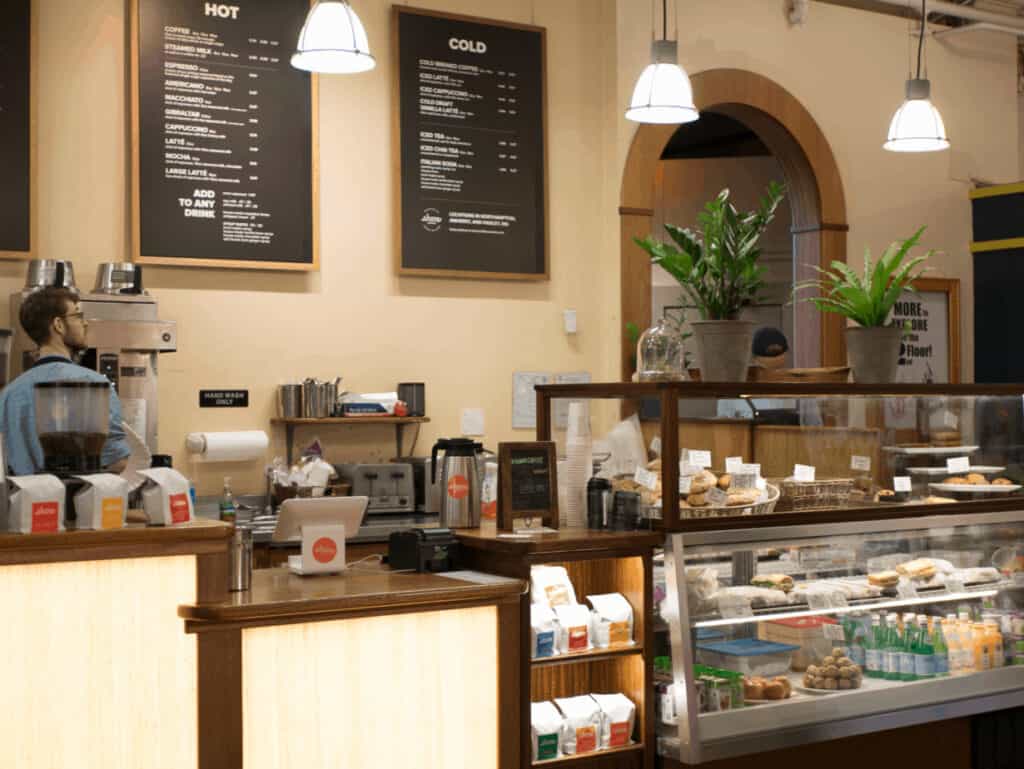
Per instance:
{"type": "Point", "coordinates": [769, 342]}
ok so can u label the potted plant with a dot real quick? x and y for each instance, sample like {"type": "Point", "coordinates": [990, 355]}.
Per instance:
{"type": "Point", "coordinates": [717, 268]}
{"type": "Point", "coordinates": [873, 344]}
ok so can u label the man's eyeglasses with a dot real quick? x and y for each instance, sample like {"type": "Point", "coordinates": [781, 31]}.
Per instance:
{"type": "Point", "coordinates": [80, 315]}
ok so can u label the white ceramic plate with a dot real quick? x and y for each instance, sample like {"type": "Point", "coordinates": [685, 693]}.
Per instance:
{"type": "Point", "coordinates": [967, 488]}
{"type": "Point", "coordinates": [820, 692]}
{"type": "Point", "coordinates": [982, 469]}
{"type": "Point", "coordinates": [930, 450]}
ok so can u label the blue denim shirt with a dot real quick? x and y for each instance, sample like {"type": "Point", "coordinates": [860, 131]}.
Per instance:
{"type": "Point", "coordinates": [18, 415]}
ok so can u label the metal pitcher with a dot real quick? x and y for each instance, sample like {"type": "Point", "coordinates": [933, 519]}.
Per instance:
{"type": "Point", "coordinates": [460, 482]}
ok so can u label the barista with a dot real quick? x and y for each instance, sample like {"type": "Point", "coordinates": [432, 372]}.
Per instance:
{"type": "Point", "coordinates": [53, 319]}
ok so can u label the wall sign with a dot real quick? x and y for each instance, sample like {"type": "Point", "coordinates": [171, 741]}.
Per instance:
{"type": "Point", "coordinates": [930, 350]}
{"type": "Point", "coordinates": [471, 102]}
{"type": "Point", "coordinates": [16, 146]}
{"type": "Point", "coordinates": [224, 136]}
{"type": "Point", "coordinates": [527, 483]}
{"type": "Point", "coordinates": [235, 399]}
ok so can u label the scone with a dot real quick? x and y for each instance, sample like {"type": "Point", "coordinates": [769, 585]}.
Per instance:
{"type": "Point", "coordinates": [1002, 482]}
{"type": "Point", "coordinates": [956, 480]}
{"type": "Point", "coordinates": [724, 482]}
{"type": "Point", "coordinates": [976, 479]}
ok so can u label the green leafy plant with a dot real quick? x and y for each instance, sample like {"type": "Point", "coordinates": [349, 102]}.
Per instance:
{"type": "Point", "coordinates": [868, 299]}
{"type": "Point", "coordinates": [717, 265]}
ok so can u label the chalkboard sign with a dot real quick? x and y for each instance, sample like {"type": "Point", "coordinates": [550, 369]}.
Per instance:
{"type": "Point", "coordinates": [527, 483]}
{"type": "Point", "coordinates": [224, 136]}
{"type": "Point", "coordinates": [471, 99]}
{"type": "Point", "coordinates": [15, 128]}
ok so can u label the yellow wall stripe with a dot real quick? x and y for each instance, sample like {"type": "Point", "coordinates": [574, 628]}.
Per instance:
{"type": "Point", "coordinates": [998, 189]}
{"type": "Point", "coordinates": [997, 245]}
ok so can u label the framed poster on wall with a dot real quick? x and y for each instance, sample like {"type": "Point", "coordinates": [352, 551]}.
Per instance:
{"type": "Point", "coordinates": [470, 137]}
{"type": "Point", "coordinates": [17, 149]}
{"type": "Point", "coordinates": [224, 136]}
{"type": "Point", "coordinates": [930, 351]}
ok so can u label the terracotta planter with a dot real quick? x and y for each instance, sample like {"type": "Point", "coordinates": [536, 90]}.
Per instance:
{"type": "Point", "coordinates": [874, 353]}
{"type": "Point", "coordinates": [723, 349]}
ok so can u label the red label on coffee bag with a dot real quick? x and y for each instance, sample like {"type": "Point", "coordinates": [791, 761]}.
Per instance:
{"type": "Point", "coordinates": [619, 735]}
{"type": "Point", "coordinates": [44, 516]}
{"type": "Point", "coordinates": [179, 508]}
{"type": "Point", "coordinates": [578, 639]}
{"type": "Point", "coordinates": [586, 739]}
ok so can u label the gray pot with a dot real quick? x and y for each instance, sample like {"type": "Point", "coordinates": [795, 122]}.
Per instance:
{"type": "Point", "coordinates": [723, 349]}
{"type": "Point", "coordinates": [874, 353]}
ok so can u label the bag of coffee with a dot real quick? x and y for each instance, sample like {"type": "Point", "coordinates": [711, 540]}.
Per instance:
{"type": "Point", "coordinates": [542, 631]}
{"type": "Point", "coordinates": [546, 731]}
{"type": "Point", "coordinates": [612, 620]}
{"type": "Point", "coordinates": [103, 503]}
{"type": "Point", "coordinates": [582, 725]}
{"type": "Point", "coordinates": [617, 716]}
{"type": "Point", "coordinates": [550, 586]}
{"type": "Point", "coordinates": [165, 497]}
{"type": "Point", "coordinates": [573, 628]}
{"type": "Point", "coordinates": [36, 504]}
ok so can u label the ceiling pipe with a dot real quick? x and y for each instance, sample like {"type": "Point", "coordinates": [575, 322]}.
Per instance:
{"type": "Point", "coordinates": [1007, 23]}
{"type": "Point", "coordinates": [979, 26]}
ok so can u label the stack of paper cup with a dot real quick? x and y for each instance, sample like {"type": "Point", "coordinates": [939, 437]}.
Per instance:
{"type": "Point", "coordinates": [579, 465]}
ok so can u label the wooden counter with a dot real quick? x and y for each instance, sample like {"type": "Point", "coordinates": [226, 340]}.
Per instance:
{"type": "Point", "coordinates": [96, 670]}
{"type": "Point", "coordinates": [364, 669]}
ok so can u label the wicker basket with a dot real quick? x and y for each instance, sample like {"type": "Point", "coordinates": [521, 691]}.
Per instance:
{"type": "Point", "coordinates": [761, 508]}
{"type": "Point", "coordinates": [807, 495]}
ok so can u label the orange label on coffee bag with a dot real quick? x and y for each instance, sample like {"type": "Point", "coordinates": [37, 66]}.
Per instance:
{"type": "Point", "coordinates": [44, 516]}
{"type": "Point", "coordinates": [618, 633]}
{"type": "Point", "coordinates": [586, 739]}
{"type": "Point", "coordinates": [113, 513]}
{"type": "Point", "coordinates": [557, 595]}
{"type": "Point", "coordinates": [578, 638]}
{"type": "Point", "coordinates": [619, 735]}
{"type": "Point", "coordinates": [179, 508]}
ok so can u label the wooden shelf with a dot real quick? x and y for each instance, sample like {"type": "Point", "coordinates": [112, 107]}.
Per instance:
{"type": "Point", "coordinates": [574, 760]}
{"type": "Point", "coordinates": [360, 420]}
{"type": "Point", "coordinates": [595, 655]}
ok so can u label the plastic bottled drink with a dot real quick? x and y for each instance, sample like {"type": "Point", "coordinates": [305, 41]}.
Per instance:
{"type": "Point", "coordinates": [924, 652]}
{"type": "Point", "coordinates": [940, 650]}
{"type": "Point", "coordinates": [981, 644]}
{"type": "Point", "coordinates": [908, 642]}
{"type": "Point", "coordinates": [873, 666]}
{"type": "Point", "coordinates": [227, 503]}
{"type": "Point", "coordinates": [995, 644]}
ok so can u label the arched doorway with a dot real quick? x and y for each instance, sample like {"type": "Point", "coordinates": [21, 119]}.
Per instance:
{"type": "Point", "coordinates": [813, 186]}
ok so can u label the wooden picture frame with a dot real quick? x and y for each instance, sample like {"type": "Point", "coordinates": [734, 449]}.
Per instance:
{"type": "Point", "coordinates": [396, 136]}
{"type": "Point", "coordinates": [185, 261]}
{"type": "Point", "coordinates": [508, 511]}
{"type": "Point", "coordinates": [8, 254]}
{"type": "Point", "coordinates": [950, 288]}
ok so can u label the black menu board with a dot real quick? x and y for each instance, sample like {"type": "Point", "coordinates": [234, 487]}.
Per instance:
{"type": "Point", "coordinates": [527, 483]}
{"type": "Point", "coordinates": [471, 97]}
{"type": "Point", "coordinates": [15, 127]}
{"type": "Point", "coordinates": [224, 141]}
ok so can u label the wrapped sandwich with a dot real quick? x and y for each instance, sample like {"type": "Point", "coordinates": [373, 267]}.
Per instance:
{"type": "Point", "coordinates": [782, 582]}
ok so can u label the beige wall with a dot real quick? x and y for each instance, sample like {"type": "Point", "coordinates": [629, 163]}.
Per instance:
{"type": "Point", "coordinates": [464, 339]}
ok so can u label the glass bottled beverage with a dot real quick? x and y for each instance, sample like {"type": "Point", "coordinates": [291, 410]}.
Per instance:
{"type": "Point", "coordinates": [906, 649]}
{"type": "Point", "coordinates": [924, 652]}
{"type": "Point", "coordinates": [873, 667]}
{"type": "Point", "coordinates": [940, 650]}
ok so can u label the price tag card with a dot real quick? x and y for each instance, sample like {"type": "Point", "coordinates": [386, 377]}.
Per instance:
{"type": "Point", "coordinates": [833, 632]}
{"type": "Point", "coordinates": [655, 446]}
{"type": "Point", "coordinates": [861, 464]}
{"type": "Point", "coordinates": [954, 583]}
{"type": "Point", "coordinates": [743, 481]}
{"type": "Point", "coordinates": [717, 497]}
{"type": "Point", "coordinates": [950, 420]}
{"type": "Point", "coordinates": [700, 458]}
{"type": "Point", "coordinates": [901, 483]}
{"type": "Point", "coordinates": [958, 465]}
{"type": "Point", "coordinates": [906, 588]}
{"type": "Point", "coordinates": [685, 468]}
{"type": "Point", "coordinates": [761, 484]}
{"type": "Point", "coordinates": [734, 607]}
{"type": "Point", "coordinates": [803, 473]}
{"type": "Point", "coordinates": [733, 464]}
{"type": "Point", "coordinates": [684, 483]}
{"type": "Point", "coordinates": [819, 600]}
{"type": "Point", "coordinates": [646, 478]}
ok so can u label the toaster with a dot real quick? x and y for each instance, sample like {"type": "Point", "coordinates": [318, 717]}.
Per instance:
{"type": "Point", "coordinates": [389, 487]}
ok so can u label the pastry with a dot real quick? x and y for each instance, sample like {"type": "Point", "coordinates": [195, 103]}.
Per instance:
{"type": "Point", "coordinates": [654, 465]}
{"type": "Point", "coordinates": [774, 691]}
{"type": "Point", "coordinates": [697, 500]}
{"type": "Point", "coordinates": [741, 498]}
{"type": "Point", "coordinates": [1002, 482]}
{"type": "Point", "coordinates": [837, 652]}
{"type": "Point", "coordinates": [845, 683]}
{"type": "Point", "coordinates": [785, 684]}
{"type": "Point", "coordinates": [956, 480]}
{"type": "Point", "coordinates": [976, 479]}
{"type": "Point", "coordinates": [939, 501]}
{"type": "Point", "coordinates": [753, 690]}
{"type": "Point", "coordinates": [827, 663]}
{"type": "Point", "coordinates": [884, 579]}
{"type": "Point", "coordinates": [782, 582]}
{"type": "Point", "coordinates": [885, 495]}
{"type": "Point", "coordinates": [724, 482]}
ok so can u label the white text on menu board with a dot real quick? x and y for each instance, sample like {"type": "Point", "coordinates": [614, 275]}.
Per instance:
{"type": "Point", "coordinates": [212, 104]}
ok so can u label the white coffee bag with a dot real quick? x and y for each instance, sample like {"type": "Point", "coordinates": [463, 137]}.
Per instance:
{"type": "Point", "coordinates": [612, 620]}
{"type": "Point", "coordinates": [103, 503]}
{"type": "Point", "coordinates": [36, 504]}
{"type": "Point", "coordinates": [551, 586]}
{"type": "Point", "coordinates": [582, 725]}
{"type": "Point", "coordinates": [543, 628]}
{"type": "Point", "coordinates": [165, 497]}
{"type": "Point", "coordinates": [546, 731]}
{"type": "Point", "coordinates": [618, 713]}
{"type": "Point", "coordinates": [573, 629]}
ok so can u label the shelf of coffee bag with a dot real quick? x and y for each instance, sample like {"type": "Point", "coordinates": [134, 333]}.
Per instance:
{"type": "Point", "coordinates": [610, 753]}
{"type": "Point", "coordinates": [593, 655]}
{"type": "Point", "coordinates": [399, 423]}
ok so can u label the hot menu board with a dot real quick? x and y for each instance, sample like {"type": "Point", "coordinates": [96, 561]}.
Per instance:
{"type": "Point", "coordinates": [15, 126]}
{"type": "Point", "coordinates": [471, 141]}
{"type": "Point", "coordinates": [224, 148]}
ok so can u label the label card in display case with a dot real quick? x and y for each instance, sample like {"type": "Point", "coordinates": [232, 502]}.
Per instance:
{"type": "Point", "coordinates": [224, 136]}
{"type": "Point", "coordinates": [527, 483]}
{"type": "Point", "coordinates": [471, 143]}
{"type": "Point", "coordinates": [16, 145]}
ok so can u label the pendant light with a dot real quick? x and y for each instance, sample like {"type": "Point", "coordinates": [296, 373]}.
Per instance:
{"type": "Point", "coordinates": [663, 93]}
{"type": "Point", "coordinates": [917, 126]}
{"type": "Point", "coordinates": [333, 41]}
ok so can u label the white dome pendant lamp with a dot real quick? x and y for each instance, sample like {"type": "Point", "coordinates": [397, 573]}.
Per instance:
{"type": "Point", "coordinates": [333, 41]}
{"type": "Point", "coordinates": [917, 126]}
{"type": "Point", "coordinates": [663, 94]}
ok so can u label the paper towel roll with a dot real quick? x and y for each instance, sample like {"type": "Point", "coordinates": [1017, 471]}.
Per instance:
{"type": "Point", "coordinates": [238, 446]}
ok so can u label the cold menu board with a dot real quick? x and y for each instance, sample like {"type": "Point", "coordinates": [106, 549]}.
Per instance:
{"type": "Point", "coordinates": [471, 97]}
{"type": "Point", "coordinates": [15, 141]}
{"type": "Point", "coordinates": [225, 153]}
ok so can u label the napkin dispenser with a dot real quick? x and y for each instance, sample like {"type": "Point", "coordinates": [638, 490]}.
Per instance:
{"type": "Point", "coordinates": [423, 550]}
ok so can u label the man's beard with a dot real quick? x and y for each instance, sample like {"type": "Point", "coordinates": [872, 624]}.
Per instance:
{"type": "Point", "coordinates": [75, 347]}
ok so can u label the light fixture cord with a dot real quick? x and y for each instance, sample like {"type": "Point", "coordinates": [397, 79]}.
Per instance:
{"type": "Point", "coordinates": [920, 39]}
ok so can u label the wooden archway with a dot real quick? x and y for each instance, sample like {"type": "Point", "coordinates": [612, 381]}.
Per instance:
{"type": "Point", "coordinates": [814, 189]}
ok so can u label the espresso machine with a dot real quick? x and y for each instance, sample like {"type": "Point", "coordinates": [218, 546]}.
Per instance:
{"type": "Point", "coordinates": [125, 336]}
